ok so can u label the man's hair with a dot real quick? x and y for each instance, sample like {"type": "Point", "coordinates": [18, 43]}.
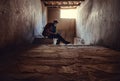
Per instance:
{"type": "Point", "coordinates": [55, 21]}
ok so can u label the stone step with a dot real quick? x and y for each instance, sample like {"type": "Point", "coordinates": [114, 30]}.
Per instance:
{"type": "Point", "coordinates": [43, 41]}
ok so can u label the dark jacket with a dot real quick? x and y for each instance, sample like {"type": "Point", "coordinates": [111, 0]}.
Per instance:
{"type": "Point", "coordinates": [49, 29]}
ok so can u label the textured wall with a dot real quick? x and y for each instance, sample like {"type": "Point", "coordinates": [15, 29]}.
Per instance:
{"type": "Point", "coordinates": [44, 14]}
{"type": "Point", "coordinates": [20, 20]}
{"type": "Point", "coordinates": [99, 22]}
{"type": "Point", "coordinates": [65, 26]}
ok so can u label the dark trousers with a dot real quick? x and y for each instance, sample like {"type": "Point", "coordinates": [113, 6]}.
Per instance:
{"type": "Point", "coordinates": [58, 36]}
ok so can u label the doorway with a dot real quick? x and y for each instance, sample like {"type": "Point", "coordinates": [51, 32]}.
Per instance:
{"type": "Point", "coordinates": [66, 26]}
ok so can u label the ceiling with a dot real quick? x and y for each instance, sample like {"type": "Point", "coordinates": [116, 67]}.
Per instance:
{"type": "Point", "coordinates": [62, 3]}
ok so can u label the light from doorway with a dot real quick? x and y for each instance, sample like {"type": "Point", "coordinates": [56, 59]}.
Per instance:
{"type": "Point", "coordinates": [68, 13]}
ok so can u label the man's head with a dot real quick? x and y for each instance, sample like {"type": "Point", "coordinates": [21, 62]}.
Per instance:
{"type": "Point", "coordinates": [55, 22]}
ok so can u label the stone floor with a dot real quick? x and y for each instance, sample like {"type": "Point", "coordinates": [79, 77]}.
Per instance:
{"type": "Point", "coordinates": [60, 63]}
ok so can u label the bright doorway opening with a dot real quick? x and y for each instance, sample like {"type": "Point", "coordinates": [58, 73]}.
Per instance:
{"type": "Point", "coordinates": [68, 13]}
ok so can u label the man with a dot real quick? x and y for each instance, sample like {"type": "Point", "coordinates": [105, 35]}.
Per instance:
{"type": "Point", "coordinates": [50, 32]}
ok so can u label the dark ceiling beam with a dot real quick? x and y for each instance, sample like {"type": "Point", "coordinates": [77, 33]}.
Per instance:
{"type": "Point", "coordinates": [62, 0]}
{"type": "Point", "coordinates": [61, 3]}
{"type": "Point", "coordinates": [49, 5]}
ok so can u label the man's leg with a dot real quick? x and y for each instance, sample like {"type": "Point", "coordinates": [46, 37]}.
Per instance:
{"type": "Point", "coordinates": [52, 36]}
{"type": "Point", "coordinates": [58, 41]}
{"type": "Point", "coordinates": [60, 38]}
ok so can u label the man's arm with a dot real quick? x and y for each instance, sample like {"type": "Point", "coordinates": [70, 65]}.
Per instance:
{"type": "Point", "coordinates": [49, 32]}
{"type": "Point", "coordinates": [49, 29]}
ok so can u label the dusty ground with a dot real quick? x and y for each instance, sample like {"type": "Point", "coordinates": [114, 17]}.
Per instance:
{"type": "Point", "coordinates": [60, 63]}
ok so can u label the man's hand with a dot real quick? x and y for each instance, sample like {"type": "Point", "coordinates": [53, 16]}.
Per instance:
{"type": "Point", "coordinates": [57, 33]}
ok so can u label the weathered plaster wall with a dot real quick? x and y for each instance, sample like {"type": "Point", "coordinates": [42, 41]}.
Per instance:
{"type": "Point", "coordinates": [99, 22]}
{"type": "Point", "coordinates": [44, 14]}
{"type": "Point", "coordinates": [37, 8]}
{"type": "Point", "coordinates": [20, 21]}
{"type": "Point", "coordinates": [66, 27]}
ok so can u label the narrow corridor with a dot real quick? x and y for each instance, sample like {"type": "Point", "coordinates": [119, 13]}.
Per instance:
{"type": "Point", "coordinates": [61, 63]}
{"type": "Point", "coordinates": [91, 25]}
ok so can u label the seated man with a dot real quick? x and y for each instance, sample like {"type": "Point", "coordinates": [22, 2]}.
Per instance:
{"type": "Point", "coordinates": [50, 32]}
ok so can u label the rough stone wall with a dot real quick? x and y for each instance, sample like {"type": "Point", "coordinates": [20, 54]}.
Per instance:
{"type": "Point", "coordinates": [98, 22]}
{"type": "Point", "coordinates": [20, 20]}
